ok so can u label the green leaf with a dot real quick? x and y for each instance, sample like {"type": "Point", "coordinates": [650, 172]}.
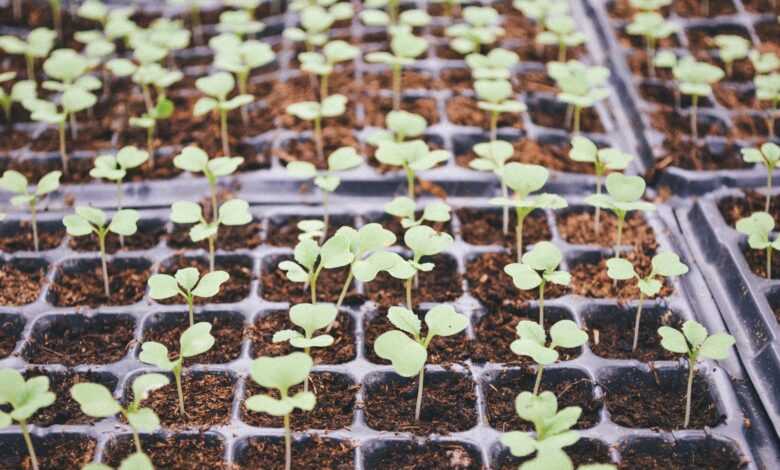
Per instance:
{"type": "Point", "coordinates": [401, 206]}
{"type": "Point", "coordinates": [125, 222]}
{"type": "Point", "coordinates": [217, 85]}
{"type": "Point", "coordinates": [281, 372]}
{"type": "Point", "coordinates": [406, 124]}
{"type": "Point", "coordinates": [93, 215]}
{"type": "Point", "coordinates": [344, 158]}
{"type": "Point", "coordinates": [235, 212]}
{"type": "Point", "coordinates": [162, 286]}
{"type": "Point", "coordinates": [50, 182]}
{"type": "Point", "coordinates": [694, 332]}
{"type": "Point", "coordinates": [302, 169]}
{"type": "Point", "coordinates": [185, 212]}
{"type": "Point", "coordinates": [145, 384]}
{"type": "Point", "coordinates": [196, 339]}
{"type": "Point", "coordinates": [131, 157]}
{"type": "Point", "coordinates": [667, 263]}
{"type": "Point", "coordinates": [144, 420]}
{"type": "Point", "coordinates": [209, 285]}
{"type": "Point", "coordinates": [520, 443]}
{"type": "Point", "coordinates": [672, 340]}
{"type": "Point", "coordinates": [425, 241]}
{"type": "Point", "coordinates": [443, 320]}
{"type": "Point", "coordinates": [76, 226]}
{"type": "Point", "coordinates": [192, 159]}
{"type": "Point", "coordinates": [14, 182]}
{"type": "Point", "coordinates": [717, 346]}
{"type": "Point", "coordinates": [566, 334]}
{"type": "Point", "coordinates": [204, 106]}
{"type": "Point", "coordinates": [536, 408]}
{"type": "Point", "coordinates": [407, 356]}
{"type": "Point", "coordinates": [625, 188]}
{"type": "Point", "coordinates": [156, 354]}
{"type": "Point", "coordinates": [95, 400]}
{"type": "Point", "coordinates": [313, 317]}
{"type": "Point", "coordinates": [405, 320]}
{"type": "Point", "coordinates": [187, 277]}
{"type": "Point", "coordinates": [649, 287]}
{"type": "Point", "coordinates": [523, 276]}
{"type": "Point", "coordinates": [335, 252]}
{"type": "Point", "coordinates": [544, 256]}
{"type": "Point", "coordinates": [620, 269]}
{"type": "Point", "coordinates": [525, 179]}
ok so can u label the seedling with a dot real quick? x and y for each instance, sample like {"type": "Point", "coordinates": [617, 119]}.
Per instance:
{"type": "Point", "coordinates": [525, 179]}
{"type": "Point", "coordinates": [758, 227]}
{"type": "Point", "coordinates": [114, 168]}
{"type": "Point", "coordinates": [404, 47]}
{"type": "Point", "coordinates": [281, 373]}
{"type": "Point", "coordinates": [374, 15]}
{"type": "Point", "coordinates": [401, 125]}
{"type": "Point", "coordinates": [480, 29]}
{"type": "Point", "coordinates": [412, 156]}
{"type": "Point", "coordinates": [731, 48]}
{"type": "Point", "coordinates": [553, 432]}
{"type": "Point", "coordinates": [696, 79]}
{"type": "Point", "coordinates": [233, 212]}
{"type": "Point", "coordinates": [195, 7]}
{"type": "Point", "coordinates": [25, 398]}
{"type": "Point", "coordinates": [694, 342]}
{"type": "Point", "coordinates": [532, 342]}
{"type": "Point", "coordinates": [603, 160]}
{"type": "Point", "coordinates": [649, 5]}
{"type": "Point", "coordinates": [315, 21]}
{"type": "Point", "coordinates": [94, 10]}
{"type": "Point", "coordinates": [217, 86]}
{"type": "Point", "coordinates": [56, 13]}
{"type": "Point", "coordinates": [135, 461]}
{"type": "Point", "coordinates": [39, 43]}
{"type": "Point", "coordinates": [195, 340]}
{"type": "Point", "coordinates": [495, 65]}
{"type": "Point", "coordinates": [769, 156]}
{"type": "Point", "coordinates": [423, 241]}
{"type": "Point", "coordinates": [343, 159]}
{"type": "Point", "coordinates": [20, 91]}
{"type": "Point", "coordinates": [332, 106]}
{"type": "Point", "coordinates": [239, 22]}
{"type": "Point", "coordinates": [311, 229]}
{"type": "Point", "coordinates": [98, 402]}
{"type": "Point", "coordinates": [187, 283]}
{"type": "Point", "coordinates": [581, 86]}
{"type": "Point", "coordinates": [323, 64]}
{"type": "Point", "coordinates": [89, 220]}
{"type": "Point", "coordinates": [538, 267]}
{"type": "Point", "coordinates": [493, 156]}
{"type": "Point", "coordinates": [768, 89]}
{"type": "Point", "coordinates": [624, 194]}
{"type": "Point", "coordinates": [409, 354]}
{"type": "Point", "coordinates": [561, 30]}
{"type": "Point", "coordinates": [653, 27]}
{"type": "Point", "coordinates": [16, 182]}
{"type": "Point", "coordinates": [540, 10]}
{"type": "Point", "coordinates": [764, 62]}
{"type": "Point", "coordinates": [311, 259]}
{"type": "Point", "coordinates": [665, 264]}
{"type": "Point", "coordinates": [404, 208]}
{"type": "Point", "coordinates": [495, 98]}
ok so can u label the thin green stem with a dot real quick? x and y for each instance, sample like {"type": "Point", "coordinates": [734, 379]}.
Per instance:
{"type": "Point", "coordinates": [420, 385]}
{"type": "Point", "coordinates": [493, 126]}
{"type": "Point", "coordinates": [538, 383]}
{"type": "Point", "coordinates": [63, 148]}
{"type": "Point", "coordinates": [324, 87]}
{"type": "Point", "coordinates": [694, 118]}
{"type": "Point", "coordinates": [119, 207]}
{"type": "Point", "coordinates": [30, 61]}
{"type": "Point", "coordinates": [179, 391]}
{"type": "Point", "coordinates": [769, 262]}
{"type": "Point", "coordinates": [34, 222]}
{"type": "Point", "coordinates": [650, 50]}
{"type": "Point", "coordinates": [150, 144]}
{"type": "Point", "coordinates": [597, 217]}
{"type": "Point", "coordinates": [102, 242]}
{"type": "Point", "coordinates": [196, 26]}
{"type": "Point", "coordinates": [691, 372]}
{"type": "Point", "coordinates": [313, 283]}
{"type": "Point", "coordinates": [396, 87]}
{"type": "Point", "coordinates": [287, 443]}
{"type": "Point", "coordinates": [561, 51]}
{"type": "Point", "coordinates": [505, 209]}
{"type": "Point", "coordinates": [223, 130]}
{"type": "Point", "coordinates": [577, 113]}
{"type": "Point", "coordinates": [408, 286]}
{"type": "Point", "coordinates": [638, 319]}
{"type": "Point", "coordinates": [136, 439]}
{"type": "Point", "coordinates": [318, 143]}
{"type": "Point", "coordinates": [409, 182]}
{"type": "Point", "coordinates": [344, 290]}
{"type": "Point", "coordinates": [541, 303]}
{"type": "Point", "coordinates": [28, 441]}
{"type": "Point", "coordinates": [620, 222]}
{"type": "Point", "coordinates": [325, 215]}
{"type": "Point", "coordinates": [519, 234]}
{"type": "Point", "coordinates": [212, 248]}
{"type": "Point", "coordinates": [191, 308]}
{"type": "Point", "coordinates": [242, 89]}
{"type": "Point", "coordinates": [768, 190]}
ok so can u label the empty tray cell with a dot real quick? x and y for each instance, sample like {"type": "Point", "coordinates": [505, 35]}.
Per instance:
{"type": "Point", "coordinates": [79, 282]}
{"type": "Point", "coordinates": [708, 453]}
{"type": "Point", "coordinates": [22, 280]}
{"type": "Point", "coordinates": [307, 452]}
{"type": "Point", "coordinates": [54, 451]}
{"type": "Point", "coordinates": [11, 326]}
{"type": "Point", "coordinates": [434, 455]}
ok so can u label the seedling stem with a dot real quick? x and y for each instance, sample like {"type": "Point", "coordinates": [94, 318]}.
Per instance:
{"type": "Point", "coordinates": [28, 442]}
{"type": "Point", "coordinates": [63, 150]}
{"type": "Point", "coordinates": [101, 233]}
{"type": "Point", "coordinates": [287, 443]}
{"type": "Point", "coordinates": [538, 382]}
{"type": "Point", "coordinates": [409, 181]}
{"type": "Point", "coordinates": [318, 138]}
{"type": "Point", "coordinates": [691, 371]}
{"type": "Point", "coordinates": [636, 322]}
{"type": "Point", "coordinates": [223, 132]}
{"type": "Point", "coordinates": [396, 87]}
{"type": "Point", "coordinates": [418, 406]}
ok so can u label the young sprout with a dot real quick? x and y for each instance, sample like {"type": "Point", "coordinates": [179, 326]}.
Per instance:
{"type": "Point", "coordinates": [404, 208]}
{"type": "Point", "coordinates": [665, 264]}
{"type": "Point", "coordinates": [561, 30]}
{"type": "Point", "coordinates": [311, 259]}
{"type": "Point", "coordinates": [532, 342]}
{"type": "Point", "coordinates": [525, 179]}
{"type": "Point", "coordinates": [653, 27]}
{"type": "Point", "coordinates": [98, 402]}
{"type": "Point", "coordinates": [187, 283]}
{"type": "Point", "coordinates": [493, 156]}
{"type": "Point", "coordinates": [404, 47]}
{"type": "Point", "coordinates": [495, 98]}
{"type": "Point", "coordinates": [695, 342]}
{"type": "Point", "coordinates": [423, 241]}
{"type": "Point", "coordinates": [310, 229]}
{"type": "Point", "coordinates": [114, 168]}
{"type": "Point", "coordinates": [247, 5]}
{"type": "Point", "coordinates": [764, 62]}
{"type": "Point", "coordinates": [94, 10]}
{"type": "Point", "coordinates": [412, 156]}
{"type": "Point", "coordinates": [374, 15]}
{"type": "Point", "coordinates": [87, 220]}
{"type": "Point", "coordinates": [401, 125]}
{"type": "Point", "coordinates": [540, 10]}
{"type": "Point", "coordinates": [39, 43]}
{"type": "Point", "coordinates": [20, 91]}
{"type": "Point", "coordinates": [217, 86]}
{"type": "Point", "coordinates": [553, 432]}
{"type": "Point", "coordinates": [538, 267]}
{"type": "Point", "coordinates": [769, 156]}
{"type": "Point", "coordinates": [195, 340]}
{"type": "Point", "coordinates": [134, 461]}
{"type": "Point", "coordinates": [731, 48]}
{"type": "Point", "coordinates": [315, 21]}
{"type": "Point", "coordinates": [480, 29]}
{"type": "Point", "coordinates": [195, 7]}
{"type": "Point", "coordinates": [16, 182]}
{"type": "Point", "coordinates": [239, 22]}
{"type": "Point", "coordinates": [343, 159]}
{"type": "Point", "coordinates": [758, 227]}
{"type": "Point", "coordinates": [495, 65]}
{"type": "Point", "coordinates": [624, 194]}
{"type": "Point", "coordinates": [282, 373]}
{"type": "Point", "coordinates": [649, 5]}
{"type": "Point", "coordinates": [409, 354]}
{"type": "Point", "coordinates": [332, 106]}
{"type": "Point", "coordinates": [603, 160]}
{"type": "Point", "coordinates": [768, 89]}
{"type": "Point", "coordinates": [25, 398]}
{"type": "Point", "coordinates": [696, 79]}
{"type": "Point", "coordinates": [581, 86]}
{"type": "Point", "coordinates": [323, 64]}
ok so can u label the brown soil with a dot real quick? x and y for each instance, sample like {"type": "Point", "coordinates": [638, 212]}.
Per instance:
{"type": "Point", "coordinates": [750, 126]}
{"type": "Point", "coordinates": [83, 285]}
{"type": "Point", "coordinates": [11, 327]}
{"type": "Point", "coordinates": [285, 232]}
{"type": "Point", "coordinates": [733, 208]}
{"type": "Point", "coordinates": [304, 148]}
{"type": "Point", "coordinates": [208, 399]}
{"type": "Point", "coordinates": [553, 114]}
{"type": "Point", "coordinates": [735, 97]}
{"type": "Point", "coordinates": [590, 279]}
{"type": "Point", "coordinates": [583, 452]}
{"type": "Point", "coordinates": [636, 399]}
{"type": "Point", "coordinates": [614, 329]}
{"type": "Point", "coordinates": [148, 236]}
{"type": "Point", "coordinates": [570, 387]}
{"type": "Point", "coordinates": [277, 288]}
{"type": "Point", "coordinates": [578, 228]}
{"type": "Point", "coordinates": [227, 329]}
{"type": "Point", "coordinates": [334, 409]}
{"type": "Point", "coordinates": [377, 107]}
{"type": "Point", "coordinates": [457, 79]}
{"type": "Point", "coordinates": [65, 410]}
{"type": "Point", "coordinates": [178, 452]}
{"type": "Point", "coordinates": [311, 453]}
{"type": "Point", "coordinates": [55, 452]}
{"type": "Point", "coordinates": [702, 37]}
{"type": "Point", "coordinates": [681, 153]}
{"type": "Point", "coordinates": [551, 153]}
{"type": "Point", "coordinates": [448, 404]}
{"type": "Point", "coordinates": [688, 8]}
{"type": "Point", "coordinates": [701, 454]}
{"type": "Point", "coordinates": [410, 80]}
{"type": "Point", "coordinates": [230, 237]}
{"type": "Point", "coordinates": [756, 259]}
{"type": "Point", "coordinates": [484, 227]}
{"type": "Point", "coordinates": [759, 6]}
{"type": "Point", "coordinates": [463, 111]}
{"type": "Point", "coordinates": [19, 237]}
{"type": "Point", "coordinates": [342, 350]}
{"type": "Point", "coordinates": [74, 339]}
{"type": "Point", "coordinates": [442, 350]}
{"type": "Point", "coordinates": [235, 289]}
{"type": "Point", "coordinates": [442, 284]}
{"type": "Point", "coordinates": [21, 285]}
{"type": "Point", "coordinates": [393, 224]}
{"type": "Point", "coordinates": [675, 123]}
{"type": "Point", "coordinates": [429, 455]}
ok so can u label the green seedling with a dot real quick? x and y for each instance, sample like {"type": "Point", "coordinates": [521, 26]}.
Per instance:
{"type": "Point", "coordinates": [385, 13]}
{"type": "Point", "coordinates": [135, 461]}
{"type": "Point", "coordinates": [624, 194]}
{"type": "Point", "coordinates": [413, 156]}
{"type": "Point", "coordinates": [404, 208]}
{"type": "Point", "coordinates": [239, 22]}
{"type": "Point", "coordinates": [195, 7]}
{"type": "Point", "coordinates": [98, 402]}
{"type": "Point", "coordinates": [56, 13]}
{"type": "Point", "coordinates": [538, 267]}
{"type": "Point", "coordinates": [769, 156]}
{"type": "Point", "coordinates": [94, 10]}
{"type": "Point", "coordinates": [247, 5]}
{"type": "Point", "coordinates": [423, 241]}
{"type": "Point", "coordinates": [119, 26]}
{"type": "Point", "coordinates": [758, 228]}
{"type": "Point", "coordinates": [731, 48]}
{"type": "Point", "coordinates": [218, 86]}
{"type": "Point", "coordinates": [653, 27]}
{"type": "Point", "coordinates": [16, 183]}
{"type": "Point", "coordinates": [768, 89]}
{"type": "Point", "coordinates": [20, 91]}
{"type": "Point", "coordinates": [580, 86]}
{"type": "Point", "coordinates": [407, 349]}
{"type": "Point", "coordinates": [696, 79]}
{"type": "Point", "coordinates": [315, 111]}
{"type": "Point", "coordinates": [649, 5]}
{"type": "Point", "coordinates": [315, 22]}
{"type": "Point", "coordinates": [401, 125]}
{"type": "Point", "coordinates": [164, 33]}
{"type": "Point", "coordinates": [553, 432]}
{"type": "Point", "coordinates": [524, 179]}
{"type": "Point", "coordinates": [495, 65]}
{"type": "Point", "coordinates": [311, 259]}
{"type": "Point", "coordinates": [187, 283]}
{"type": "Point", "coordinates": [195, 340]}
{"type": "Point", "coordinates": [479, 29]}
{"type": "Point", "coordinates": [665, 264]}
{"type": "Point", "coordinates": [323, 64]}
{"type": "Point", "coordinates": [404, 49]}
{"type": "Point", "coordinates": [25, 398]}
{"type": "Point", "coordinates": [233, 212]}
{"type": "Point", "coordinates": [114, 167]}
{"type": "Point", "coordinates": [495, 98]}
{"type": "Point", "coordinates": [311, 229]}
{"type": "Point", "coordinates": [282, 373]}
{"type": "Point", "coordinates": [88, 220]}
{"type": "Point", "coordinates": [343, 159]}
{"type": "Point", "coordinates": [764, 62]}
{"type": "Point", "coordinates": [603, 160]}
{"type": "Point", "coordinates": [561, 31]}
{"type": "Point", "coordinates": [695, 342]}
{"type": "Point", "coordinates": [38, 44]}
{"type": "Point", "coordinates": [493, 156]}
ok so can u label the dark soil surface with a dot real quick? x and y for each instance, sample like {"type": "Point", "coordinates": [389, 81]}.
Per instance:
{"type": "Point", "coordinates": [227, 329]}
{"type": "Point", "coordinates": [429, 455]}
{"type": "Point", "coordinates": [756, 259]}
{"type": "Point", "coordinates": [178, 452]}
{"type": "Point", "coordinates": [208, 399]}
{"type": "Point", "coordinates": [230, 238]}
{"type": "Point", "coordinates": [443, 284]}
{"type": "Point", "coordinates": [277, 288]}
{"type": "Point", "coordinates": [235, 289]}
{"type": "Point", "coordinates": [590, 279]}
{"type": "Point", "coordinates": [19, 236]}
{"type": "Point", "coordinates": [83, 284]}
{"type": "Point", "coordinates": [312, 453]}
{"type": "Point", "coordinates": [65, 410]}
{"type": "Point", "coordinates": [55, 452]}
{"type": "Point", "coordinates": [20, 285]}
{"type": "Point", "coordinates": [11, 327]}
{"type": "Point", "coordinates": [701, 454]}
{"type": "Point", "coordinates": [485, 227]}
{"type": "Point", "coordinates": [733, 208]}
{"type": "Point", "coordinates": [614, 329]}
{"type": "Point", "coordinates": [579, 228]}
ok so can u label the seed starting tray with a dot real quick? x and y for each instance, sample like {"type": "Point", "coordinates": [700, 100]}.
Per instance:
{"type": "Point", "coordinates": [634, 92]}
